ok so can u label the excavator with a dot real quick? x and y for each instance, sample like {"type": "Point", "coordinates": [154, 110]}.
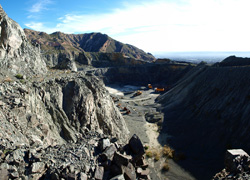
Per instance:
{"type": "Point", "coordinates": [159, 89]}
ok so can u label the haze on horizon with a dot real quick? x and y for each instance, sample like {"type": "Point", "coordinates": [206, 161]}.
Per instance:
{"type": "Point", "coordinates": [152, 25]}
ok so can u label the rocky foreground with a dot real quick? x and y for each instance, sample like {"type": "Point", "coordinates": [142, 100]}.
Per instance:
{"type": "Point", "coordinates": [93, 156]}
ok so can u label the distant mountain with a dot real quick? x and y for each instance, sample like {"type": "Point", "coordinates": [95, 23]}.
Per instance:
{"type": "Point", "coordinates": [234, 61]}
{"type": "Point", "coordinates": [71, 45]}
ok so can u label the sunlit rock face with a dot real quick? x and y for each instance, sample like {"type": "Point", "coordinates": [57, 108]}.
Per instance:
{"type": "Point", "coordinates": [16, 53]}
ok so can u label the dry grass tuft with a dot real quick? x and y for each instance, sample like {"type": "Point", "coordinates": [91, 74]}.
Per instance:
{"type": "Point", "coordinates": [168, 151]}
{"type": "Point", "coordinates": [165, 167]}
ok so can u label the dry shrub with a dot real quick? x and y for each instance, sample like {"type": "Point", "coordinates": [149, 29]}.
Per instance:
{"type": "Point", "coordinates": [157, 156]}
{"type": "Point", "coordinates": [7, 79]}
{"type": "Point", "coordinates": [165, 167]}
{"type": "Point", "coordinates": [168, 151]}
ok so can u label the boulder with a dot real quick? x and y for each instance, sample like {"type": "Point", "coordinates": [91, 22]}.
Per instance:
{"type": "Point", "coordinates": [129, 172]}
{"type": "Point", "coordinates": [109, 153]}
{"type": "Point", "coordinates": [231, 162]}
{"type": "Point", "coordinates": [104, 143]}
{"type": "Point", "coordinates": [4, 173]}
{"type": "Point", "coordinates": [37, 167]}
{"type": "Point", "coordinates": [83, 176]}
{"type": "Point", "coordinates": [99, 172]}
{"type": "Point", "coordinates": [120, 159]}
{"type": "Point", "coordinates": [136, 146]}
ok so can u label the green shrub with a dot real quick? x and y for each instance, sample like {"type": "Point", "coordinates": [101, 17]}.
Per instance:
{"type": "Point", "coordinates": [149, 154]}
{"type": "Point", "coordinates": [19, 76]}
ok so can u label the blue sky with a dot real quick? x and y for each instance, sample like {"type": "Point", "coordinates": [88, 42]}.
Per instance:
{"type": "Point", "coordinates": [152, 25]}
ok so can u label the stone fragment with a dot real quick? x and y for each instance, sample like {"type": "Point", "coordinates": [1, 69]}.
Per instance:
{"type": "Point", "coordinates": [129, 172]}
{"type": "Point", "coordinates": [136, 145]}
{"type": "Point", "coordinates": [119, 177]}
{"type": "Point", "coordinates": [18, 155]}
{"type": "Point", "coordinates": [120, 159]}
{"type": "Point", "coordinates": [14, 174]}
{"type": "Point", "coordinates": [37, 167]}
{"type": "Point", "coordinates": [230, 156]}
{"type": "Point", "coordinates": [4, 174]}
{"type": "Point", "coordinates": [83, 176]}
{"type": "Point", "coordinates": [104, 143]}
{"type": "Point", "coordinates": [109, 153]}
{"type": "Point", "coordinates": [99, 172]}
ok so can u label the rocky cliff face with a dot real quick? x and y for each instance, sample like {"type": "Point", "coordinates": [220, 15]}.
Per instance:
{"type": "Point", "coordinates": [58, 46]}
{"type": "Point", "coordinates": [16, 53]}
{"type": "Point", "coordinates": [56, 110]}
{"type": "Point", "coordinates": [206, 113]}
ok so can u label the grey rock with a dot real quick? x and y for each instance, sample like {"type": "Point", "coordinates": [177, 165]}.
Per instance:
{"type": "Point", "coordinates": [129, 172]}
{"type": "Point", "coordinates": [120, 159]}
{"type": "Point", "coordinates": [109, 152]}
{"type": "Point", "coordinates": [14, 174]}
{"type": "Point", "coordinates": [104, 143]}
{"type": "Point", "coordinates": [118, 177]}
{"type": "Point", "coordinates": [18, 155]}
{"type": "Point", "coordinates": [99, 172]}
{"type": "Point", "coordinates": [83, 176]}
{"type": "Point", "coordinates": [16, 53]}
{"type": "Point", "coordinates": [37, 167]}
{"type": "Point", "coordinates": [4, 174]}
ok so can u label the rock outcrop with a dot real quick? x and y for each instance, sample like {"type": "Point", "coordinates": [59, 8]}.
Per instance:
{"type": "Point", "coordinates": [237, 165]}
{"type": "Point", "coordinates": [57, 109]}
{"type": "Point", "coordinates": [58, 46]}
{"type": "Point", "coordinates": [16, 53]}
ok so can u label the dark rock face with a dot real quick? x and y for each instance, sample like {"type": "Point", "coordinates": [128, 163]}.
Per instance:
{"type": "Point", "coordinates": [58, 46]}
{"type": "Point", "coordinates": [207, 113]}
{"type": "Point", "coordinates": [136, 145]}
{"type": "Point", "coordinates": [156, 74]}
{"type": "Point", "coordinates": [16, 53]}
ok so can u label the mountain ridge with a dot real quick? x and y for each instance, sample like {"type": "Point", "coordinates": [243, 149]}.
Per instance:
{"type": "Point", "coordinates": [73, 45]}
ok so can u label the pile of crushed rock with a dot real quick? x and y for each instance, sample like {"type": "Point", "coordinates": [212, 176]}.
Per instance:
{"type": "Point", "coordinates": [92, 157]}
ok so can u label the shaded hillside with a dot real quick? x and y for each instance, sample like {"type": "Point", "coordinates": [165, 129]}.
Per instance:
{"type": "Point", "coordinates": [234, 61]}
{"type": "Point", "coordinates": [155, 74]}
{"type": "Point", "coordinates": [58, 46]}
{"type": "Point", "coordinates": [206, 113]}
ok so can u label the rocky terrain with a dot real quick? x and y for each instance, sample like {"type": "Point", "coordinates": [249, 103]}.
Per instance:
{"type": "Point", "coordinates": [88, 49]}
{"type": "Point", "coordinates": [53, 122]}
{"type": "Point", "coordinates": [59, 121]}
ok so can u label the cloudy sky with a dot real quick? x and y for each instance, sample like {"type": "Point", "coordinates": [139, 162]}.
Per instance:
{"type": "Point", "coordinates": [152, 25]}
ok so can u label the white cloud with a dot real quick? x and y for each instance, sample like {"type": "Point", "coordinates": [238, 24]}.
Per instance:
{"type": "Point", "coordinates": [40, 5]}
{"type": "Point", "coordinates": [193, 25]}
{"type": "Point", "coordinates": [39, 26]}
